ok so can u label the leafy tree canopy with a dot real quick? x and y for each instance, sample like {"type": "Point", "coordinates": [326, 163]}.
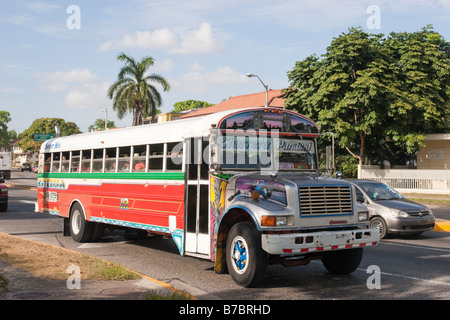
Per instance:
{"type": "Point", "coordinates": [5, 135]}
{"type": "Point", "coordinates": [45, 125]}
{"type": "Point", "coordinates": [367, 87]}
{"type": "Point", "coordinates": [99, 125]}
{"type": "Point", "coordinates": [190, 104]}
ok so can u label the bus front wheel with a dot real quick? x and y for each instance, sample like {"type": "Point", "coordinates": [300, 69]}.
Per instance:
{"type": "Point", "coordinates": [80, 228]}
{"type": "Point", "coordinates": [342, 261]}
{"type": "Point", "coordinates": [246, 261]}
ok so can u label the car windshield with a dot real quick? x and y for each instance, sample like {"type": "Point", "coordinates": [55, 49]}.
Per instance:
{"type": "Point", "coordinates": [380, 191]}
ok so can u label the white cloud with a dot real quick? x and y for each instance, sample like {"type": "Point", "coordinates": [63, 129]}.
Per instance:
{"type": "Point", "coordinates": [165, 65]}
{"type": "Point", "coordinates": [198, 82]}
{"type": "Point", "coordinates": [60, 80]}
{"type": "Point", "coordinates": [40, 7]}
{"type": "Point", "coordinates": [158, 39]}
{"type": "Point", "coordinates": [200, 40]}
{"type": "Point", "coordinates": [83, 88]}
{"type": "Point", "coordinates": [88, 96]}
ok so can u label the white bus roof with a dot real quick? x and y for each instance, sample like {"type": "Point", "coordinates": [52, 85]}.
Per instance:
{"type": "Point", "coordinates": [172, 131]}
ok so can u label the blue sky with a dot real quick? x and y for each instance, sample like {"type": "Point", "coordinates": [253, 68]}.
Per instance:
{"type": "Point", "coordinates": [57, 60]}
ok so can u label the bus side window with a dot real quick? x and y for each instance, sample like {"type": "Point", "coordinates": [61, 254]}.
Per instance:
{"type": "Point", "coordinates": [47, 162]}
{"type": "Point", "coordinates": [75, 161]}
{"type": "Point", "coordinates": [174, 159]}
{"type": "Point", "coordinates": [110, 160]}
{"type": "Point", "coordinates": [65, 162]}
{"type": "Point", "coordinates": [139, 155]}
{"type": "Point", "coordinates": [86, 161]}
{"type": "Point", "coordinates": [124, 159]}
{"type": "Point", "coordinates": [156, 157]}
{"type": "Point", "coordinates": [97, 162]}
{"type": "Point", "coordinates": [56, 162]}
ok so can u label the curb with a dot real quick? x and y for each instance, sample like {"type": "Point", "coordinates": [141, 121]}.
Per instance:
{"type": "Point", "coordinates": [442, 225]}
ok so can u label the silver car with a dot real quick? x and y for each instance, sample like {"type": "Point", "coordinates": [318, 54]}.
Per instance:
{"type": "Point", "coordinates": [390, 212]}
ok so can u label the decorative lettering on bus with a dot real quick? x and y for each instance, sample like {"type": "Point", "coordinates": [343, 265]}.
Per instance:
{"type": "Point", "coordinates": [124, 204]}
{"type": "Point", "coordinates": [52, 183]}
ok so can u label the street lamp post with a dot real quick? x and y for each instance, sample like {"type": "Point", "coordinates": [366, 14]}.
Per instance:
{"type": "Point", "coordinates": [250, 75]}
{"type": "Point", "coordinates": [106, 118]}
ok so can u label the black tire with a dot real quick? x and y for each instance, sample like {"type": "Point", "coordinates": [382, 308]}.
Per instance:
{"type": "Point", "coordinates": [342, 261]}
{"type": "Point", "coordinates": [80, 229]}
{"type": "Point", "coordinates": [246, 260]}
{"type": "Point", "coordinates": [98, 230]}
{"type": "Point", "coordinates": [380, 224]}
{"type": "Point", "coordinates": [4, 207]}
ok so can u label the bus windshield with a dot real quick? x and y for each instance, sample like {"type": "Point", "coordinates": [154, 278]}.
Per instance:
{"type": "Point", "coordinates": [253, 152]}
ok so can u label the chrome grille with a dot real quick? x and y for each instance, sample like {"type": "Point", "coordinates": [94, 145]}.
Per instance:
{"type": "Point", "coordinates": [418, 213]}
{"type": "Point", "coordinates": [325, 200]}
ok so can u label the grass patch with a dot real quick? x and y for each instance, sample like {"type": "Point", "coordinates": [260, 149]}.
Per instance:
{"type": "Point", "coordinates": [423, 201]}
{"type": "Point", "coordinates": [51, 262]}
{"type": "Point", "coordinates": [436, 199]}
{"type": "Point", "coordinates": [156, 295]}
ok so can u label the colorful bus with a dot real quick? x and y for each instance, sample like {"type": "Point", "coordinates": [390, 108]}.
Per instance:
{"type": "Point", "coordinates": [241, 188]}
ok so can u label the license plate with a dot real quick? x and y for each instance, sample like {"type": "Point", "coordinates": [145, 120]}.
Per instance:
{"type": "Point", "coordinates": [334, 238]}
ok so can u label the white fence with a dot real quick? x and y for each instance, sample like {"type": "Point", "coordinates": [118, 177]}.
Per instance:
{"type": "Point", "coordinates": [414, 181]}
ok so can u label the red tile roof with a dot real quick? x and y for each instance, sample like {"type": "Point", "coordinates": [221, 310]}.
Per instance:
{"type": "Point", "coordinates": [246, 101]}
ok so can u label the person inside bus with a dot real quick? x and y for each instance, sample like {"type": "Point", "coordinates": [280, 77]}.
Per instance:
{"type": "Point", "coordinates": [140, 166]}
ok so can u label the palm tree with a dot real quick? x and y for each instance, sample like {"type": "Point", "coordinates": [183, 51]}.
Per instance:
{"type": "Point", "coordinates": [133, 93]}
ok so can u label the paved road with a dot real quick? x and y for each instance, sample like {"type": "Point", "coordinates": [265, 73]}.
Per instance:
{"type": "Point", "coordinates": [405, 268]}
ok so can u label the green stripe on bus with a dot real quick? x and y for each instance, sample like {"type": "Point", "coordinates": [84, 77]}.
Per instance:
{"type": "Point", "coordinates": [119, 175]}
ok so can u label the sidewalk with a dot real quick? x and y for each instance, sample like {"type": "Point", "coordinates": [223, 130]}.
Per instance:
{"type": "Point", "coordinates": [23, 285]}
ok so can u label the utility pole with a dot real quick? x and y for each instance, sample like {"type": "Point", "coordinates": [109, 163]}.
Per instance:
{"type": "Point", "coordinates": [106, 118]}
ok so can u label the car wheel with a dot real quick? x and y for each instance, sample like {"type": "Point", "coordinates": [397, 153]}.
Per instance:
{"type": "Point", "coordinates": [380, 224]}
{"type": "Point", "coordinates": [4, 207]}
{"type": "Point", "coordinates": [246, 260]}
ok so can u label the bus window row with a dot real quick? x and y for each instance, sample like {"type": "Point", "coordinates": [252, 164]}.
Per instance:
{"type": "Point", "coordinates": [163, 157]}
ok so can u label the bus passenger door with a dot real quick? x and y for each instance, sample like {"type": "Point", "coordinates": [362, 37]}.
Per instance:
{"type": "Point", "coordinates": [197, 239]}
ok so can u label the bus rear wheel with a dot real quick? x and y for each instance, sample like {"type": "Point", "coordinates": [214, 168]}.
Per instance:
{"type": "Point", "coordinates": [246, 261]}
{"type": "Point", "coordinates": [80, 228]}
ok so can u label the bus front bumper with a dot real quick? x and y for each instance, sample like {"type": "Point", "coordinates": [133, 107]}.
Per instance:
{"type": "Point", "coordinates": [303, 243]}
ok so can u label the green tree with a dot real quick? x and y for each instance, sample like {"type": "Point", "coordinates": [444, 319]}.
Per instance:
{"type": "Point", "coordinates": [133, 91]}
{"type": "Point", "coordinates": [99, 125]}
{"type": "Point", "coordinates": [368, 86]}
{"type": "Point", "coordinates": [190, 104]}
{"type": "Point", "coordinates": [5, 135]}
{"type": "Point", "coordinates": [45, 125]}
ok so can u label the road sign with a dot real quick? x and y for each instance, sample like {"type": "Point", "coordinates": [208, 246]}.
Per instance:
{"type": "Point", "coordinates": [42, 136]}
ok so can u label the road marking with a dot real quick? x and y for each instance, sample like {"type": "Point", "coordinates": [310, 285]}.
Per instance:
{"type": "Point", "coordinates": [409, 277]}
{"type": "Point", "coordinates": [89, 246]}
{"type": "Point", "coordinates": [23, 201]}
{"type": "Point", "coordinates": [414, 246]}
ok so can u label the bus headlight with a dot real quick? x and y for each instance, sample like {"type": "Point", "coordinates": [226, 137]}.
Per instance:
{"type": "Point", "coordinates": [363, 216]}
{"type": "Point", "coordinates": [276, 221]}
